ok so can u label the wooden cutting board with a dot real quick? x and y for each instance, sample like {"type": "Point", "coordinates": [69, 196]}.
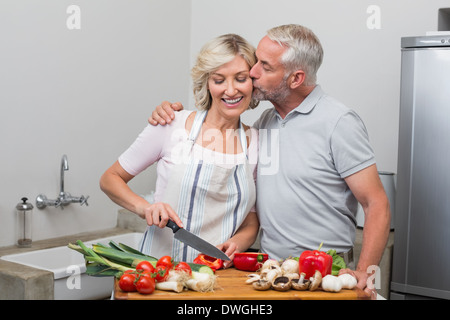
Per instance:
{"type": "Point", "coordinates": [231, 286]}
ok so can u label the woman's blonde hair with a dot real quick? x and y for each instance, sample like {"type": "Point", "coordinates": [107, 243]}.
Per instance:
{"type": "Point", "coordinates": [212, 56]}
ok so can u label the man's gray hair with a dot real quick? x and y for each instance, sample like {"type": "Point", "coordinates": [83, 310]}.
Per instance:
{"type": "Point", "coordinates": [304, 50]}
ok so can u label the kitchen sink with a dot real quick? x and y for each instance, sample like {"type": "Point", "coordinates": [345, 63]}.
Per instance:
{"type": "Point", "coordinates": [68, 267]}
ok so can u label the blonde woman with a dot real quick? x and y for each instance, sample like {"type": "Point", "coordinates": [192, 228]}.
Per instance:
{"type": "Point", "coordinates": [206, 160]}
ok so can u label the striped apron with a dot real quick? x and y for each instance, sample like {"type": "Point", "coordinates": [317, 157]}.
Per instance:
{"type": "Point", "coordinates": [211, 199]}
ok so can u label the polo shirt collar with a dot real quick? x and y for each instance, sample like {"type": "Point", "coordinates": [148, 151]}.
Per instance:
{"type": "Point", "coordinates": [310, 101]}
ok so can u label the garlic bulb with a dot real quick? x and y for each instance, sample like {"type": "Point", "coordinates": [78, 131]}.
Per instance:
{"type": "Point", "coordinates": [348, 281]}
{"type": "Point", "coordinates": [331, 283]}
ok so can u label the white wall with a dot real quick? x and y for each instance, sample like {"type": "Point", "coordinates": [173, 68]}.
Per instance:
{"type": "Point", "coordinates": [86, 93]}
{"type": "Point", "coordinates": [361, 66]}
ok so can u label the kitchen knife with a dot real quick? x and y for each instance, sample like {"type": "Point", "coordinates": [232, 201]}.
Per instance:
{"type": "Point", "coordinates": [196, 242]}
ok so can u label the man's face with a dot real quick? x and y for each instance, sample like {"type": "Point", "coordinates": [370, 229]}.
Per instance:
{"type": "Point", "coordinates": [269, 82]}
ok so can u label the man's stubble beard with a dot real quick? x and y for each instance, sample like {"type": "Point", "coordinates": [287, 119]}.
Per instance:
{"type": "Point", "coordinates": [276, 96]}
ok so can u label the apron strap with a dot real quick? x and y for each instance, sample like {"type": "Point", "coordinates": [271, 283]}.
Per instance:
{"type": "Point", "coordinates": [197, 125]}
{"type": "Point", "coordinates": [243, 138]}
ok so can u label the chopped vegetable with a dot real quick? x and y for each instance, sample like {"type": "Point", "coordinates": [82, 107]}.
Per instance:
{"type": "Point", "coordinates": [211, 262]}
{"type": "Point", "coordinates": [249, 261]}
{"type": "Point", "coordinates": [195, 267]}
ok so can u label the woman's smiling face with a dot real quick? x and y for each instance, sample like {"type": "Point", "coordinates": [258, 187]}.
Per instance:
{"type": "Point", "coordinates": [231, 87]}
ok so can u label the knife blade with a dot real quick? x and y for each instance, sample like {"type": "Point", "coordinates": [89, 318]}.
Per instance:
{"type": "Point", "coordinates": [196, 242]}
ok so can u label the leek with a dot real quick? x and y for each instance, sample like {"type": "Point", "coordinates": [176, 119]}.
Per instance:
{"type": "Point", "coordinates": [120, 256]}
{"type": "Point", "coordinates": [102, 260]}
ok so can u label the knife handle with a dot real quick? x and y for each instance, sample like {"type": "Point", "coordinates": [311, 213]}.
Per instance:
{"type": "Point", "coordinates": [172, 225]}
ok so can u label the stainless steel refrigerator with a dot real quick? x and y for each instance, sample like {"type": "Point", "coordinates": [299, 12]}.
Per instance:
{"type": "Point", "coordinates": [421, 259]}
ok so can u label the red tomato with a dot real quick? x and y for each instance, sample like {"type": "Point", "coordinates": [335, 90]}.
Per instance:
{"type": "Point", "coordinates": [145, 283]}
{"type": "Point", "coordinates": [126, 282]}
{"type": "Point", "coordinates": [161, 273]}
{"type": "Point", "coordinates": [183, 266]}
{"type": "Point", "coordinates": [165, 261]}
{"type": "Point", "coordinates": [145, 266]}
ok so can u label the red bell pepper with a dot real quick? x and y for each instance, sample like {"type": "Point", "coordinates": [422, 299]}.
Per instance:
{"type": "Point", "coordinates": [312, 260]}
{"type": "Point", "coordinates": [249, 261]}
{"type": "Point", "coordinates": [211, 262]}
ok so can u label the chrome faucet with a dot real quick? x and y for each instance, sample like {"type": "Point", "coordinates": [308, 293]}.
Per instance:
{"type": "Point", "coordinates": [64, 167]}
{"type": "Point", "coordinates": [64, 198]}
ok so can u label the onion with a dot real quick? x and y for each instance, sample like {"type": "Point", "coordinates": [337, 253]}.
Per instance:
{"type": "Point", "coordinates": [202, 282]}
{"type": "Point", "coordinates": [170, 286]}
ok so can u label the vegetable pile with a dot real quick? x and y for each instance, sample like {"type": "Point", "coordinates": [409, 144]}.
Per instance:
{"type": "Point", "coordinates": [314, 269]}
{"type": "Point", "coordinates": [286, 276]}
{"type": "Point", "coordinates": [143, 273]}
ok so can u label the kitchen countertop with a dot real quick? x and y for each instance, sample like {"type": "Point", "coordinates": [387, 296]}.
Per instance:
{"type": "Point", "coordinates": [63, 241]}
{"type": "Point", "coordinates": [38, 284]}
{"type": "Point", "coordinates": [231, 286]}
{"type": "Point", "coordinates": [23, 282]}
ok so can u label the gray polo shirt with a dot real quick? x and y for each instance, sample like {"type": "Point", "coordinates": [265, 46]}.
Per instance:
{"type": "Point", "coordinates": [302, 198]}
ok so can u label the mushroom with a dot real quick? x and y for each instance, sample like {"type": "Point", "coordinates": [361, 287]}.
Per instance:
{"type": "Point", "coordinates": [289, 266]}
{"type": "Point", "coordinates": [270, 264]}
{"type": "Point", "coordinates": [291, 275]}
{"type": "Point", "coordinates": [253, 277]}
{"type": "Point", "coordinates": [315, 281]}
{"type": "Point", "coordinates": [300, 284]}
{"type": "Point", "coordinates": [261, 285]}
{"type": "Point", "coordinates": [281, 283]}
{"type": "Point", "coordinates": [271, 273]}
